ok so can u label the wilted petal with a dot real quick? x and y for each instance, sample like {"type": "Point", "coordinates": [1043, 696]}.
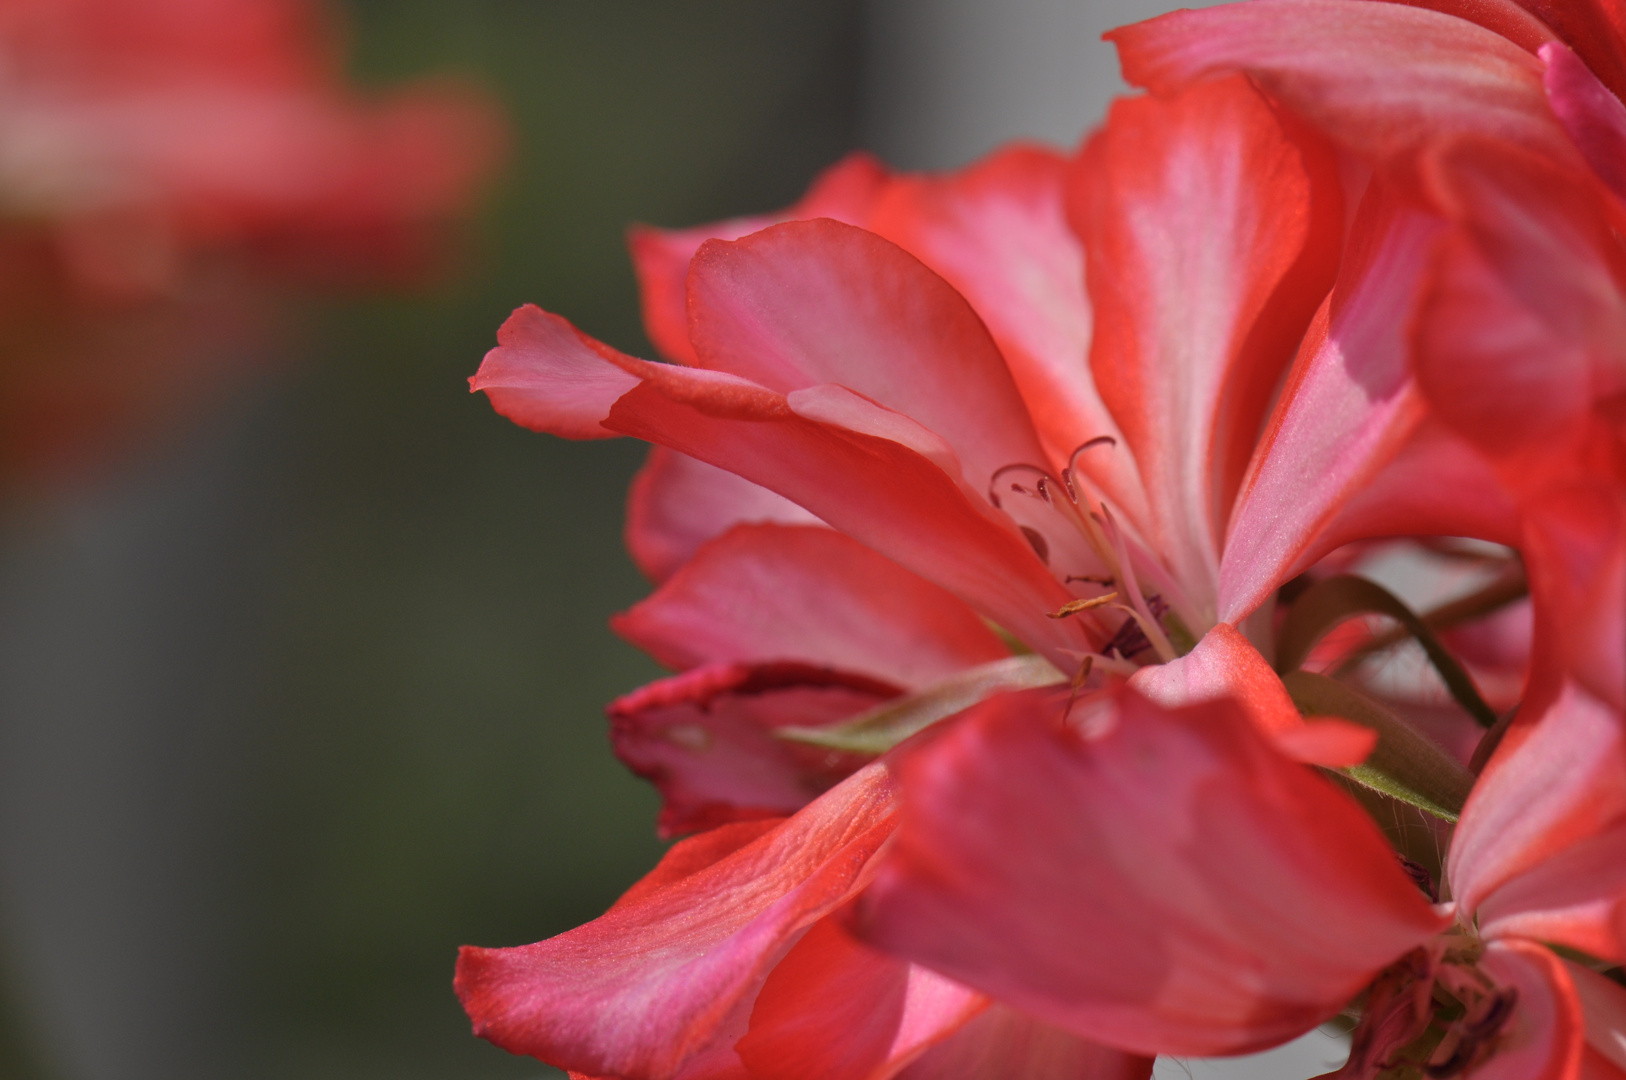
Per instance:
{"type": "Point", "coordinates": [1211, 237]}
{"type": "Point", "coordinates": [845, 191]}
{"type": "Point", "coordinates": [676, 504]}
{"type": "Point", "coordinates": [706, 739]}
{"type": "Point", "coordinates": [650, 984]}
{"type": "Point", "coordinates": [809, 594]}
{"type": "Point", "coordinates": [1160, 880]}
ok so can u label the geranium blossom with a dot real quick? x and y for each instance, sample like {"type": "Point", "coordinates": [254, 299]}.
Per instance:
{"type": "Point", "coordinates": [164, 162]}
{"type": "Point", "coordinates": [1085, 834]}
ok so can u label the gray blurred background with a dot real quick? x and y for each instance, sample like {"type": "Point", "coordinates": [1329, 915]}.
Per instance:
{"type": "Point", "coordinates": [294, 706]}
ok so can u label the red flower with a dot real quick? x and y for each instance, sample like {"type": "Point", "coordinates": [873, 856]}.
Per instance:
{"type": "Point", "coordinates": [927, 420]}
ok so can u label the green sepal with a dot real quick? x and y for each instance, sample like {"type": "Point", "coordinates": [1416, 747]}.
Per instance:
{"type": "Point", "coordinates": [885, 726]}
{"type": "Point", "coordinates": [1327, 603]}
{"type": "Point", "coordinates": [1405, 764]}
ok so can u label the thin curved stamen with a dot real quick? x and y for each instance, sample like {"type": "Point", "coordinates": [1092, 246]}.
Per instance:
{"type": "Point", "coordinates": [1038, 491]}
{"type": "Point", "coordinates": [1071, 470]}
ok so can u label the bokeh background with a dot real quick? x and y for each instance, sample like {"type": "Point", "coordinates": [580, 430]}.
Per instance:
{"type": "Point", "coordinates": [304, 695]}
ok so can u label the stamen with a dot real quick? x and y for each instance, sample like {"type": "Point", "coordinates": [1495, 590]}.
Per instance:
{"type": "Point", "coordinates": [1076, 606]}
{"type": "Point", "coordinates": [1071, 470]}
{"type": "Point", "coordinates": [1143, 615]}
{"type": "Point", "coordinates": [993, 483]}
{"type": "Point", "coordinates": [1080, 677]}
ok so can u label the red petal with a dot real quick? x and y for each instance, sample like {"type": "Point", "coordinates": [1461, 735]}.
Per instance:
{"type": "Point", "coordinates": [1211, 239]}
{"type": "Point", "coordinates": [881, 493]}
{"type": "Point", "coordinates": [1164, 882]}
{"type": "Point", "coordinates": [1223, 666]}
{"type": "Point", "coordinates": [1001, 1043]}
{"type": "Point", "coordinates": [1541, 847]}
{"type": "Point", "coordinates": [548, 376]}
{"type": "Point", "coordinates": [1575, 551]}
{"type": "Point", "coordinates": [676, 504]}
{"type": "Point", "coordinates": [845, 191]}
{"type": "Point", "coordinates": [1381, 79]}
{"type": "Point", "coordinates": [834, 1009]}
{"type": "Point", "coordinates": [1436, 485]}
{"type": "Point", "coordinates": [1348, 407]}
{"type": "Point", "coordinates": [1594, 117]}
{"type": "Point", "coordinates": [706, 740]}
{"type": "Point", "coordinates": [815, 302]}
{"type": "Point", "coordinates": [1523, 322]}
{"type": "Point", "coordinates": [652, 983]}
{"type": "Point", "coordinates": [1592, 29]}
{"type": "Point", "coordinates": [775, 592]}
{"type": "Point", "coordinates": [997, 232]}
{"type": "Point", "coordinates": [1603, 1007]}
{"type": "Point", "coordinates": [1544, 1038]}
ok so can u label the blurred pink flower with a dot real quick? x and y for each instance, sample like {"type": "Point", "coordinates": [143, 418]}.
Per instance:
{"type": "Point", "coordinates": [161, 163]}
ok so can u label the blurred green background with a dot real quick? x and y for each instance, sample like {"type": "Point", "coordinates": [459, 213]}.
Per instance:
{"type": "Point", "coordinates": [437, 770]}
{"type": "Point", "coordinates": [385, 712]}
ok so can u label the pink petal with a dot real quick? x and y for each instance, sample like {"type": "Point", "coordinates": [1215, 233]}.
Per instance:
{"type": "Point", "coordinates": [834, 1009]}
{"type": "Point", "coordinates": [1521, 326]}
{"type": "Point", "coordinates": [1163, 882]}
{"type": "Point", "coordinates": [1551, 800]}
{"type": "Point", "coordinates": [1381, 79]}
{"type": "Point", "coordinates": [706, 739]}
{"type": "Point", "coordinates": [1603, 1007]}
{"type": "Point", "coordinates": [1327, 741]}
{"type": "Point", "coordinates": [1594, 117]}
{"type": "Point", "coordinates": [814, 302]}
{"type": "Point", "coordinates": [1593, 29]}
{"type": "Point", "coordinates": [676, 504]}
{"type": "Point", "coordinates": [810, 594]}
{"type": "Point", "coordinates": [1544, 1037]}
{"type": "Point", "coordinates": [1000, 1044]}
{"type": "Point", "coordinates": [650, 984]}
{"type": "Point", "coordinates": [1436, 485]}
{"type": "Point", "coordinates": [1223, 666]}
{"type": "Point", "coordinates": [1575, 551]}
{"type": "Point", "coordinates": [1576, 898]}
{"type": "Point", "coordinates": [1348, 407]}
{"type": "Point", "coordinates": [548, 376]}
{"type": "Point", "coordinates": [881, 491]}
{"type": "Point", "coordinates": [996, 231]}
{"type": "Point", "coordinates": [1503, 17]}
{"type": "Point", "coordinates": [845, 191]}
{"type": "Point", "coordinates": [1211, 239]}
{"type": "Point", "coordinates": [882, 494]}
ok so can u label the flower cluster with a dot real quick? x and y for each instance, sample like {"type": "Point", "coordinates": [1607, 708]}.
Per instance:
{"type": "Point", "coordinates": [1019, 534]}
{"type": "Point", "coordinates": [164, 164]}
